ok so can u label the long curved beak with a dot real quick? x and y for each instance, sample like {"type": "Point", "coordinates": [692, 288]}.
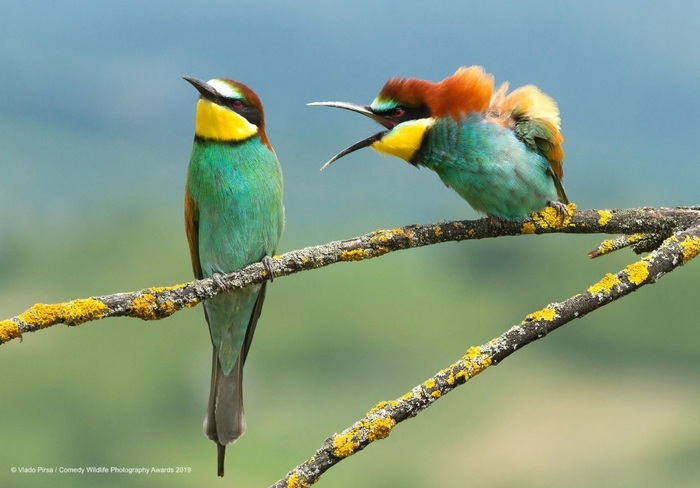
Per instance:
{"type": "Point", "coordinates": [358, 145]}
{"type": "Point", "coordinates": [360, 109]}
{"type": "Point", "coordinates": [204, 88]}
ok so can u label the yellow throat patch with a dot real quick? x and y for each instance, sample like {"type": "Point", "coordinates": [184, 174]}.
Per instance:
{"type": "Point", "coordinates": [404, 140]}
{"type": "Point", "coordinates": [220, 123]}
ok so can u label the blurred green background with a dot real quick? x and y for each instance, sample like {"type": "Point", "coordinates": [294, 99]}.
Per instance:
{"type": "Point", "coordinates": [95, 134]}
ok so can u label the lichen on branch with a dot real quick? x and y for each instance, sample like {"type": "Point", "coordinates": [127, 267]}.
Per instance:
{"type": "Point", "coordinates": [379, 422]}
{"type": "Point", "coordinates": [160, 302]}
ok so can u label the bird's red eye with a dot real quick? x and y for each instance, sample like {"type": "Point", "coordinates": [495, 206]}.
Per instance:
{"type": "Point", "coordinates": [398, 112]}
{"type": "Point", "coordinates": [237, 103]}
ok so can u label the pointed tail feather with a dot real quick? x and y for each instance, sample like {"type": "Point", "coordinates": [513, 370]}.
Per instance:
{"type": "Point", "coordinates": [224, 421]}
{"type": "Point", "coordinates": [220, 455]}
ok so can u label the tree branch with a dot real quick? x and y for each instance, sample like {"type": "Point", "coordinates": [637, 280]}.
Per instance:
{"type": "Point", "coordinates": [676, 250]}
{"type": "Point", "coordinates": [160, 302]}
{"type": "Point", "coordinates": [673, 233]}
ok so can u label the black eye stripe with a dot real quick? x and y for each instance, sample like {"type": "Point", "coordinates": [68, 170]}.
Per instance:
{"type": "Point", "coordinates": [241, 107]}
{"type": "Point", "coordinates": [230, 102]}
{"type": "Point", "coordinates": [409, 113]}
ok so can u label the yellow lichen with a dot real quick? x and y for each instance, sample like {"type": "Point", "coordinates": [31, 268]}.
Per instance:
{"type": "Point", "coordinates": [476, 363]}
{"type": "Point", "coordinates": [637, 272]}
{"type": "Point", "coordinates": [374, 429]}
{"type": "Point", "coordinates": [9, 330]}
{"type": "Point", "coordinates": [400, 232]}
{"type": "Point", "coordinates": [494, 343]}
{"type": "Point", "coordinates": [144, 307]}
{"type": "Point", "coordinates": [460, 376]}
{"type": "Point", "coordinates": [547, 314]}
{"type": "Point", "coordinates": [295, 481]}
{"type": "Point", "coordinates": [42, 315]}
{"type": "Point", "coordinates": [429, 383]}
{"type": "Point", "coordinates": [381, 235]}
{"type": "Point", "coordinates": [605, 217]}
{"type": "Point", "coordinates": [472, 352]}
{"type": "Point", "coordinates": [691, 248]}
{"type": "Point", "coordinates": [379, 406]}
{"type": "Point", "coordinates": [610, 245]}
{"type": "Point", "coordinates": [162, 289]}
{"type": "Point", "coordinates": [380, 428]}
{"type": "Point", "coordinates": [167, 308]}
{"type": "Point", "coordinates": [606, 285]}
{"type": "Point", "coordinates": [549, 217]}
{"type": "Point", "coordinates": [385, 235]}
{"type": "Point", "coordinates": [438, 231]}
{"type": "Point", "coordinates": [380, 250]}
{"type": "Point", "coordinates": [344, 445]}
{"type": "Point", "coordinates": [84, 310]}
{"type": "Point", "coordinates": [436, 394]}
{"type": "Point", "coordinates": [71, 313]}
{"type": "Point", "coordinates": [147, 306]}
{"type": "Point", "coordinates": [354, 255]}
{"type": "Point", "coordinates": [528, 228]}
{"type": "Point", "coordinates": [606, 246]}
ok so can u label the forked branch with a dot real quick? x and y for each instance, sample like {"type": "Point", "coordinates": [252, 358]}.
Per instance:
{"type": "Point", "coordinates": [671, 234]}
{"type": "Point", "coordinates": [160, 302]}
{"type": "Point", "coordinates": [675, 251]}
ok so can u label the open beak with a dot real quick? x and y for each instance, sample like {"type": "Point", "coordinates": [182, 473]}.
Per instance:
{"type": "Point", "coordinates": [204, 88]}
{"type": "Point", "coordinates": [360, 109]}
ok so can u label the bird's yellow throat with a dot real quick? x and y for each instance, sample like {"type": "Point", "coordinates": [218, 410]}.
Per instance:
{"type": "Point", "coordinates": [220, 123]}
{"type": "Point", "coordinates": [404, 140]}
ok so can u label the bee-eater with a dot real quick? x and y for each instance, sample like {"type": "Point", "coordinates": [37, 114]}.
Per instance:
{"type": "Point", "coordinates": [501, 152]}
{"type": "Point", "coordinates": [233, 217]}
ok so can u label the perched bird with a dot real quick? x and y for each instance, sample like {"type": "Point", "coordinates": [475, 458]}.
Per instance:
{"type": "Point", "coordinates": [233, 217]}
{"type": "Point", "coordinates": [501, 152]}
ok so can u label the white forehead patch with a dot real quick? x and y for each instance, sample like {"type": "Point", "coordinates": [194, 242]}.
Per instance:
{"type": "Point", "coordinates": [224, 89]}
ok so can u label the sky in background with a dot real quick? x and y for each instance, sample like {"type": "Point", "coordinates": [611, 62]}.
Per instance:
{"type": "Point", "coordinates": [96, 127]}
{"type": "Point", "coordinates": [93, 110]}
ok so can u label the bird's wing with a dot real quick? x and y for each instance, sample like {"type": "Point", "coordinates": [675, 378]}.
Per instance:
{"type": "Point", "coordinates": [192, 230]}
{"type": "Point", "coordinates": [253, 322]}
{"type": "Point", "coordinates": [534, 118]}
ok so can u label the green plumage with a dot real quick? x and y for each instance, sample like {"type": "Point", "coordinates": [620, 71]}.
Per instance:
{"type": "Point", "coordinates": [237, 189]}
{"type": "Point", "coordinates": [497, 171]}
{"type": "Point", "coordinates": [234, 206]}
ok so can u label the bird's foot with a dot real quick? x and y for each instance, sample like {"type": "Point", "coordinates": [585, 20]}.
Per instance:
{"type": "Point", "coordinates": [218, 278]}
{"type": "Point", "coordinates": [559, 207]}
{"type": "Point", "coordinates": [270, 265]}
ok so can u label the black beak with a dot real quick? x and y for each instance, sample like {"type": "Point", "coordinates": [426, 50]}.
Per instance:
{"type": "Point", "coordinates": [358, 145]}
{"type": "Point", "coordinates": [204, 88]}
{"type": "Point", "coordinates": [360, 109]}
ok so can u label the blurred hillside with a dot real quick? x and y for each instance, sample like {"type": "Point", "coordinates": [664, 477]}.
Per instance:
{"type": "Point", "coordinates": [95, 133]}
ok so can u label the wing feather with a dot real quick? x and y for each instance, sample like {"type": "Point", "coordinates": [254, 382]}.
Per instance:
{"type": "Point", "coordinates": [534, 118]}
{"type": "Point", "coordinates": [192, 230]}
